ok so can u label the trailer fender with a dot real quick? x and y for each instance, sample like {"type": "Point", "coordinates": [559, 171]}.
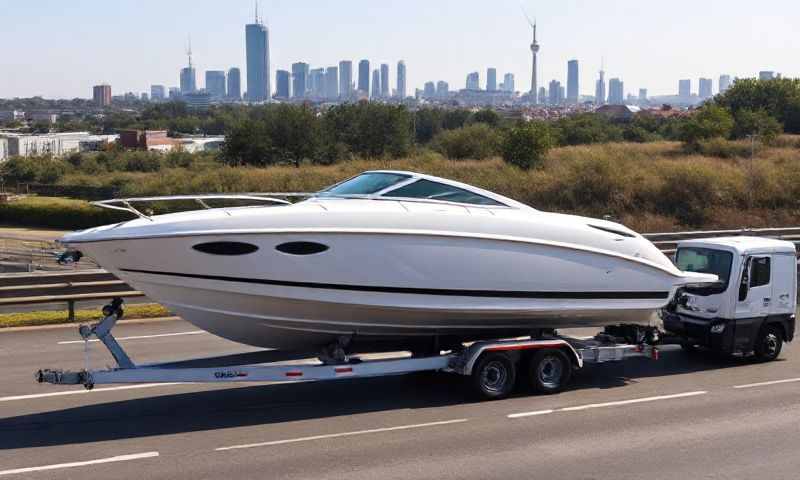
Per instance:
{"type": "Point", "coordinates": [474, 352]}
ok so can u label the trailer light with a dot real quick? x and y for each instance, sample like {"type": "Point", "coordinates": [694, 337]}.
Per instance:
{"type": "Point", "coordinates": [294, 374]}
{"type": "Point", "coordinates": [718, 328]}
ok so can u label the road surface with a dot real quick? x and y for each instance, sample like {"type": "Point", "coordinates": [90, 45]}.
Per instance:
{"type": "Point", "coordinates": [685, 416]}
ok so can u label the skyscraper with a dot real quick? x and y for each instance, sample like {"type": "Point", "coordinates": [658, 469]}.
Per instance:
{"type": "Point", "coordinates": [600, 89]}
{"type": "Point", "coordinates": [385, 80]}
{"type": "Point", "coordinates": [442, 89]}
{"type": "Point", "coordinates": [573, 91]}
{"type": "Point", "coordinates": [376, 84]}
{"type": "Point", "coordinates": [282, 85]}
{"type": "Point", "coordinates": [258, 75]}
{"type": "Point", "coordinates": [234, 84]}
{"type": "Point", "coordinates": [616, 92]}
{"type": "Point", "coordinates": [345, 79]}
{"type": "Point", "coordinates": [473, 81]}
{"type": "Point", "coordinates": [766, 75]}
{"type": "Point", "coordinates": [430, 90]}
{"type": "Point", "coordinates": [724, 83]}
{"type": "Point", "coordinates": [363, 76]}
{"type": "Point", "coordinates": [508, 83]}
{"type": "Point", "coordinates": [332, 83]}
{"type": "Point", "coordinates": [535, 51]}
{"type": "Point", "coordinates": [299, 79]}
{"type": "Point", "coordinates": [554, 89]}
{"type": "Point", "coordinates": [316, 80]}
{"type": "Point", "coordinates": [542, 98]}
{"type": "Point", "coordinates": [215, 83]}
{"type": "Point", "coordinates": [705, 88]}
{"type": "Point", "coordinates": [642, 95]}
{"type": "Point", "coordinates": [188, 76]}
{"type": "Point", "coordinates": [101, 94]}
{"type": "Point", "coordinates": [401, 80]}
{"type": "Point", "coordinates": [174, 93]}
{"type": "Point", "coordinates": [685, 89]}
{"type": "Point", "coordinates": [491, 79]}
{"type": "Point", "coordinates": [158, 93]}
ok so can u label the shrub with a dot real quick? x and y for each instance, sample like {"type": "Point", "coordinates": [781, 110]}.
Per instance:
{"type": "Point", "coordinates": [708, 122]}
{"type": "Point", "coordinates": [526, 144]}
{"type": "Point", "coordinates": [756, 122]}
{"type": "Point", "coordinates": [476, 141]}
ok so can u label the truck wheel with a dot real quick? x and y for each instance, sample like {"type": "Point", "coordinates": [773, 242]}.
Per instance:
{"type": "Point", "coordinates": [549, 371]}
{"type": "Point", "coordinates": [493, 376]}
{"type": "Point", "coordinates": [768, 344]}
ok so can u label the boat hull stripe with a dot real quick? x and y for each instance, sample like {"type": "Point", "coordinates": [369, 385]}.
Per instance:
{"type": "Point", "coordinates": [419, 291]}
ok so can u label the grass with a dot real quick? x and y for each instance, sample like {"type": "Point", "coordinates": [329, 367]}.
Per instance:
{"type": "Point", "coordinates": [27, 319]}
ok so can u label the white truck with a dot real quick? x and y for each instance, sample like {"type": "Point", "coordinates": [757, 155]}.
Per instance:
{"type": "Point", "coordinates": [750, 310]}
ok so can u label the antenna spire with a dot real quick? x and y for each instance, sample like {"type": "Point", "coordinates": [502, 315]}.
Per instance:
{"type": "Point", "coordinates": [189, 50]}
{"type": "Point", "coordinates": [256, 2]}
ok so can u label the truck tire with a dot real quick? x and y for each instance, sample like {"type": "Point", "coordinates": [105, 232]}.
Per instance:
{"type": "Point", "coordinates": [493, 376]}
{"type": "Point", "coordinates": [549, 371]}
{"type": "Point", "coordinates": [768, 343]}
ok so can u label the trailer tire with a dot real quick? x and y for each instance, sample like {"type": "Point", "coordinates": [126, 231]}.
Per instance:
{"type": "Point", "coordinates": [768, 343]}
{"type": "Point", "coordinates": [493, 376]}
{"type": "Point", "coordinates": [549, 371]}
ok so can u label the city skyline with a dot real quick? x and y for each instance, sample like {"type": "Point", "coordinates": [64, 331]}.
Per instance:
{"type": "Point", "coordinates": [674, 48]}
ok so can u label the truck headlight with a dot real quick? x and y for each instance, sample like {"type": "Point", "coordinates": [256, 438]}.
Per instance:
{"type": "Point", "coordinates": [718, 328]}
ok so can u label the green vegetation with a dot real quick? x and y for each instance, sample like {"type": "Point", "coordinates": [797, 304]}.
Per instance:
{"type": "Point", "coordinates": [57, 213]}
{"type": "Point", "coordinates": [526, 144]}
{"type": "Point", "coordinates": [476, 141]}
{"type": "Point", "coordinates": [29, 319]}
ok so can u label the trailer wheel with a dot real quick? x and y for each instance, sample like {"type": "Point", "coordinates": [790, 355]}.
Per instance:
{"type": "Point", "coordinates": [493, 376]}
{"type": "Point", "coordinates": [768, 343]}
{"type": "Point", "coordinates": [549, 371]}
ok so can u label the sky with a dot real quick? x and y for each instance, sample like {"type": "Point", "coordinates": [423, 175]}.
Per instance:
{"type": "Point", "coordinates": [59, 49]}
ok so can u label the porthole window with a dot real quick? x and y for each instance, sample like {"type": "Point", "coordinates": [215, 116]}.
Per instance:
{"type": "Point", "coordinates": [301, 248]}
{"type": "Point", "coordinates": [226, 248]}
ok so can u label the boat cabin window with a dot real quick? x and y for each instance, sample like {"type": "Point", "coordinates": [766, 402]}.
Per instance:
{"type": "Point", "coordinates": [367, 183]}
{"type": "Point", "coordinates": [439, 191]}
{"type": "Point", "coordinates": [705, 260]}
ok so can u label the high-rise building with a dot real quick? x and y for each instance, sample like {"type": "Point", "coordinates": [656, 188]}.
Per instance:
{"type": "Point", "coordinates": [376, 83]}
{"type": "Point", "coordinates": [158, 93]}
{"type": "Point", "coordinates": [363, 77]}
{"type": "Point", "coordinates": [299, 79]}
{"type": "Point", "coordinates": [705, 88]}
{"type": "Point", "coordinates": [508, 83]}
{"type": "Point", "coordinates": [642, 95]}
{"type": "Point", "coordinates": [234, 84]}
{"type": "Point", "coordinates": [429, 90]}
{"type": "Point", "coordinates": [491, 79]}
{"type": "Point", "coordinates": [542, 96]}
{"type": "Point", "coordinates": [215, 83]}
{"type": "Point", "coordinates": [316, 82]}
{"type": "Point", "coordinates": [573, 91]}
{"type": "Point", "coordinates": [401, 80]}
{"type": "Point", "coordinates": [258, 74]}
{"type": "Point", "coordinates": [600, 87]}
{"type": "Point", "coordinates": [442, 89]}
{"type": "Point", "coordinates": [616, 92]}
{"type": "Point", "coordinates": [535, 51]}
{"type": "Point", "coordinates": [554, 89]}
{"type": "Point", "coordinates": [724, 83]}
{"type": "Point", "coordinates": [174, 93]}
{"type": "Point", "coordinates": [473, 81]}
{"type": "Point", "coordinates": [345, 79]}
{"type": "Point", "coordinates": [188, 80]}
{"type": "Point", "coordinates": [685, 89]}
{"type": "Point", "coordinates": [766, 75]}
{"type": "Point", "coordinates": [385, 80]}
{"type": "Point", "coordinates": [282, 91]}
{"type": "Point", "coordinates": [332, 83]}
{"type": "Point", "coordinates": [101, 94]}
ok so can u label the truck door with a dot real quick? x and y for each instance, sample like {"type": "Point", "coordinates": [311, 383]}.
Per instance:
{"type": "Point", "coordinates": [784, 285]}
{"type": "Point", "coordinates": [755, 299]}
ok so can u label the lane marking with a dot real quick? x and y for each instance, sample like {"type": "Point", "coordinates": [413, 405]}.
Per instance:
{"type": "Point", "coordinates": [773, 382]}
{"type": "Point", "coordinates": [118, 458]}
{"type": "Point", "coordinates": [138, 337]}
{"type": "Point", "coordinates": [530, 414]}
{"type": "Point", "coordinates": [84, 391]}
{"type": "Point", "coordinates": [635, 400]}
{"type": "Point", "coordinates": [338, 435]}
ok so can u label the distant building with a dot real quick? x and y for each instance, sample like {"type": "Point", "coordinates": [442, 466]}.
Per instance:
{"type": "Point", "coordinates": [158, 93]}
{"type": "Point", "coordinates": [299, 79]}
{"type": "Point", "coordinates": [3, 149]}
{"type": "Point", "coordinates": [282, 88]}
{"type": "Point", "coordinates": [376, 83]}
{"type": "Point", "coordinates": [442, 89]}
{"type": "Point", "coordinates": [766, 75]}
{"type": "Point", "coordinates": [146, 140]}
{"type": "Point", "coordinates": [491, 79]}
{"type": "Point", "coordinates": [642, 95]}
{"type": "Point", "coordinates": [554, 89]}
{"type": "Point", "coordinates": [332, 83]}
{"type": "Point", "coordinates": [174, 93]}
{"type": "Point", "coordinates": [385, 80]}
{"type": "Point", "coordinates": [618, 112]}
{"type": "Point", "coordinates": [54, 144]}
{"type": "Point", "coordinates": [430, 90]}
{"type": "Point", "coordinates": [215, 84]}
{"type": "Point", "coordinates": [345, 79]}
{"type": "Point", "coordinates": [705, 88]}
{"type": "Point", "coordinates": [616, 89]}
{"type": "Point", "coordinates": [473, 81]}
{"type": "Point", "coordinates": [573, 91]}
{"type": "Point", "coordinates": [363, 76]}
{"type": "Point", "coordinates": [542, 96]}
{"type": "Point", "coordinates": [198, 100]}
{"type": "Point", "coordinates": [144, 96]}
{"type": "Point", "coordinates": [258, 73]}
{"type": "Point", "coordinates": [508, 83]}
{"type": "Point", "coordinates": [600, 89]}
{"type": "Point", "coordinates": [724, 83]}
{"type": "Point", "coordinates": [234, 84]}
{"type": "Point", "coordinates": [11, 115]}
{"type": "Point", "coordinates": [42, 117]}
{"type": "Point", "coordinates": [188, 80]}
{"type": "Point", "coordinates": [401, 80]}
{"type": "Point", "coordinates": [101, 94]}
{"type": "Point", "coordinates": [316, 80]}
{"type": "Point", "coordinates": [685, 89]}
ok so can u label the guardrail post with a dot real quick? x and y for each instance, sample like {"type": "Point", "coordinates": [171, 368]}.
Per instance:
{"type": "Point", "coordinates": [71, 310]}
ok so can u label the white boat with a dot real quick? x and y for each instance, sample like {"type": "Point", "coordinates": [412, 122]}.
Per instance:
{"type": "Point", "coordinates": [385, 255]}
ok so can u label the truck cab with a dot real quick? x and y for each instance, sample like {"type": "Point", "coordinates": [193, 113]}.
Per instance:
{"type": "Point", "coordinates": [752, 307]}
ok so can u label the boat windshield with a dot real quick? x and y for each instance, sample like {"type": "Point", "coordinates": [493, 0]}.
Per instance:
{"type": "Point", "coordinates": [439, 191]}
{"type": "Point", "coordinates": [366, 183]}
{"type": "Point", "coordinates": [705, 260]}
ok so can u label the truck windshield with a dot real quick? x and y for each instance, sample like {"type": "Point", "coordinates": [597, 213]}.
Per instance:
{"type": "Point", "coordinates": [705, 260]}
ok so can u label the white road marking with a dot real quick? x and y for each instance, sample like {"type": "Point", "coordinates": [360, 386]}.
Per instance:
{"type": "Point", "coordinates": [84, 391]}
{"type": "Point", "coordinates": [773, 382]}
{"type": "Point", "coordinates": [138, 337]}
{"type": "Point", "coordinates": [344, 434]}
{"type": "Point", "coordinates": [119, 458]}
{"type": "Point", "coordinates": [635, 400]}
{"type": "Point", "coordinates": [530, 414]}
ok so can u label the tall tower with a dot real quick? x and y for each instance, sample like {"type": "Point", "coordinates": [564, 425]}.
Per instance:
{"type": "Point", "coordinates": [600, 86]}
{"type": "Point", "coordinates": [535, 51]}
{"type": "Point", "coordinates": [188, 78]}
{"type": "Point", "coordinates": [257, 46]}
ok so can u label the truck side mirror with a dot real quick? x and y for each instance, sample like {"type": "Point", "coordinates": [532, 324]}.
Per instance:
{"type": "Point", "coordinates": [744, 286]}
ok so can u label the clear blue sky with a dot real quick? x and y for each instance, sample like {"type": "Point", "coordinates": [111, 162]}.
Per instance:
{"type": "Point", "coordinates": [57, 48]}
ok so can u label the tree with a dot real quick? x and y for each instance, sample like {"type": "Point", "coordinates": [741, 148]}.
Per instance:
{"type": "Point", "coordinates": [586, 128]}
{"type": "Point", "coordinates": [526, 144]}
{"type": "Point", "coordinates": [756, 122]}
{"type": "Point", "coordinates": [710, 121]}
{"type": "Point", "coordinates": [427, 123]}
{"type": "Point", "coordinates": [487, 116]}
{"type": "Point", "coordinates": [368, 130]}
{"type": "Point", "coordinates": [779, 97]}
{"type": "Point", "coordinates": [476, 141]}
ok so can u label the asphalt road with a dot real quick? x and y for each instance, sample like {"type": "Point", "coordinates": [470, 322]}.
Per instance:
{"type": "Point", "coordinates": [685, 416]}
